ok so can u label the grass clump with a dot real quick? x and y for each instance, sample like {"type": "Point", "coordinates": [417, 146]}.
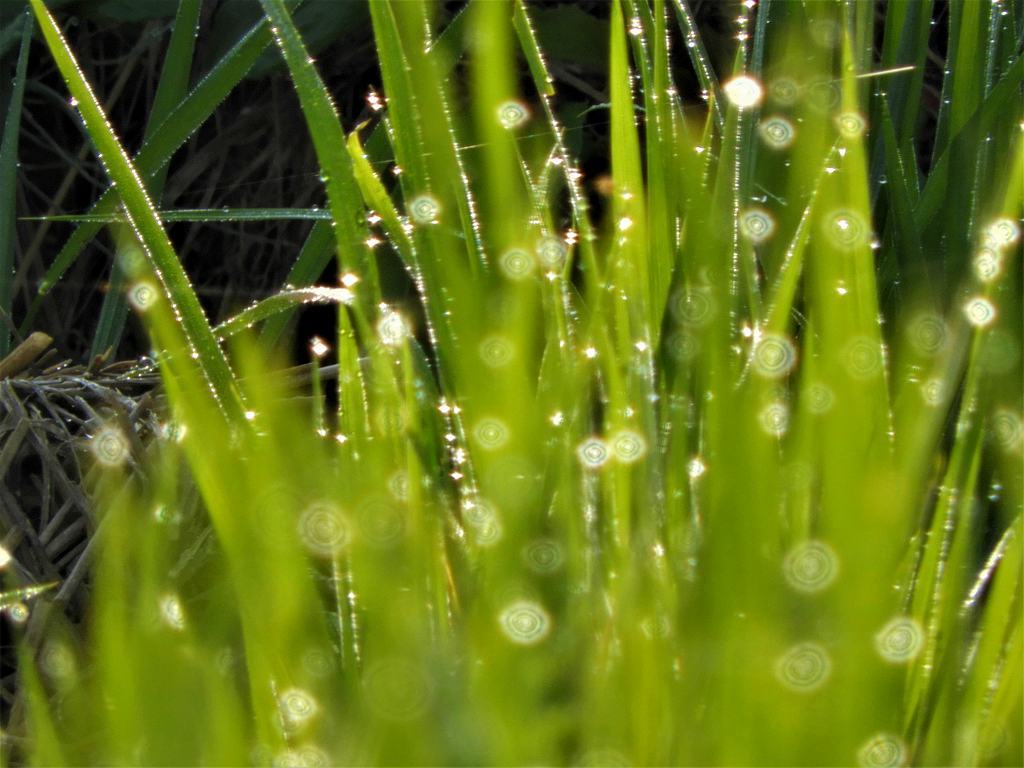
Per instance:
{"type": "Point", "coordinates": [720, 465]}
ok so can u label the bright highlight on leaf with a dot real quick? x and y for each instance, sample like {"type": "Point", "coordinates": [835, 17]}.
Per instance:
{"type": "Point", "coordinates": [743, 91]}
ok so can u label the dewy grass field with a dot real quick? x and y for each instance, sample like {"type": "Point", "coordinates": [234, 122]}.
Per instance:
{"type": "Point", "coordinates": [722, 467]}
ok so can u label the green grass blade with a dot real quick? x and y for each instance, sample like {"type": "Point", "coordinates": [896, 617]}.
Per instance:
{"type": "Point", "coordinates": [193, 111]}
{"type": "Point", "coordinates": [324, 125]}
{"type": "Point", "coordinates": [278, 303]}
{"type": "Point", "coordinates": [377, 198]}
{"type": "Point", "coordinates": [699, 57]}
{"type": "Point", "coordinates": [199, 215]}
{"type": "Point", "coordinates": [172, 88]}
{"type": "Point", "coordinates": [8, 186]}
{"type": "Point", "coordinates": [145, 221]}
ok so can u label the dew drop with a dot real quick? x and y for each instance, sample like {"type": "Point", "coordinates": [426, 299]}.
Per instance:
{"type": "Point", "coordinates": [900, 640]}
{"type": "Point", "coordinates": [743, 91]}
{"type": "Point", "coordinates": [804, 668]}
{"type": "Point", "coordinates": [525, 622]}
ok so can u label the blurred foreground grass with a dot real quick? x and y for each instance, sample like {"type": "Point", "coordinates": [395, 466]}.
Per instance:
{"type": "Point", "coordinates": [727, 473]}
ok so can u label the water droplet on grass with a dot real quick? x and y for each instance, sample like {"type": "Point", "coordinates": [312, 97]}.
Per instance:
{"type": "Point", "coordinates": [525, 622]}
{"type": "Point", "coordinates": [980, 312]}
{"type": "Point", "coordinates": [543, 556]}
{"type": "Point", "coordinates": [380, 521]}
{"type": "Point", "coordinates": [774, 356]}
{"type": "Point", "coordinates": [171, 612]}
{"type": "Point", "coordinates": [900, 640]}
{"type": "Point", "coordinates": [424, 209]}
{"type": "Point", "coordinates": [1002, 233]}
{"type": "Point", "coordinates": [516, 264]}
{"type": "Point", "coordinates": [883, 750]}
{"type": "Point", "coordinates": [743, 91]}
{"type": "Point", "coordinates": [297, 707]}
{"type": "Point", "coordinates": [928, 334]}
{"type": "Point", "coordinates": [683, 346]}
{"type": "Point", "coordinates": [784, 91]}
{"type": "Point", "coordinates": [110, 446]}
{"type": "Point", "coordinates": [804, 668]}
{"type": "Point", "coordinates": [398, 485]}
{"type": "Point", "coordinates": [932, 391]}
{"type": "Point", "coordinates": [846, 229]}
{"type": "Point", "coordinates": [628, 446]}
{"type": "Point", "coordinates": [491, 433]}
{"type": "Point", "coordinates": [143, 295]}
{"type": "Point", "coordinates": [1007, 428]}
{"type": "Point", "coordinates": [774, 419]}
{"type": "Point", "coordinates": [318, 662]}
{"type": "Point", "coordinates": [824, 95]}
{"type": "Point", "coordinates": [392, 328]}
{"type": "Point", "coordinates": [132, 261]}
{"type": "Point", "coordinates": [496, 351]}
{"type": "Point", "coordinates": [811, 566]}
{"type": "Point", "coordinates": [851, 125]}
{"type": "Point", "coordinates": [592, 452]}
{"type": "Point", "coordinates": [863, 358]}
{"type": "Point", "coordinates": [324, 529]}
{"type": "Point", "coordinates": [512, 115]}
{"type": "Point", "coordinates": [693, 307]}
{"type": "Point", "coordinates": [987, 264]}
{"type": "Point", "coordinates": [777, 132]}
{"type": "Point", "coordinates": [756, 225]}
{"type": "Point", "coordinates": [552, 252]}
{"type": "Point", "coordinates": [57, 661]}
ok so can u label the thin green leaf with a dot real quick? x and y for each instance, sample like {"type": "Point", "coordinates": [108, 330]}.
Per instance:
{"type": "Point", "coordinates": [325, 130]}
{"type": "Point", "coordinates": [172, 88]}
{"type": "Point", "coordinates": [8, 185]}
{"type": "Point", "coordinates": [209, 92]}
{"type": "Point", "coordinates": [145, 221]}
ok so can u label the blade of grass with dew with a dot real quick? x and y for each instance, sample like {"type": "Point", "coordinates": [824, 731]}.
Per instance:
{"type": "Point", "coordinates": [280, 302]}
{"type": "Point", "coordinates": [699, 58]}
{"type": "Point", "coordinates": [995, 110]}
{"type": "Point", "coordinates": [144, 220]}
{"type": "Point", "coordinates": [431, 184]}
{"type": "Point", "coordinates": [315, 254]}
{"type": "Point", "coordinates": [376, 196]}
{"type": "Point", "coordinates": [255, 522]}
{"type": "Point", "coordinates": [905, 44]}
{"type": "Point", "coordinates": [193, 111]}
{"type": "Point", "coordinates": [659, 145]}
{"type": "Point", "coordinates": [629, 271]}
{"type": "Point", "coordinates": [942, 585]}
{"type": "Point", "coordinates": [660, 654]}
{"type": "Point", "coordinates": [543, 82]}
{"type": "Point", "coordinates": [170, 90]}
{"type": "Point", "coordinates": [440, 176]}
{"type": "Point", "coordinates": [199, 215]}
{"type": "Point", "coordinates": [349, 220]}
{"type": "Point", "coordinates": [8, 187]}
{"type": "Point", "coordinates": [329, 142]}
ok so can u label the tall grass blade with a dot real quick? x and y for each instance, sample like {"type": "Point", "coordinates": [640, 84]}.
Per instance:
{"type": "Point", "coordinates": [8, 186]}
{"type": "Point", "coordinates": [144, 221]}
{"type": "Point", "coordinates": [170, 90]}
{"type": "Point", "coordinates": [191, 113]}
